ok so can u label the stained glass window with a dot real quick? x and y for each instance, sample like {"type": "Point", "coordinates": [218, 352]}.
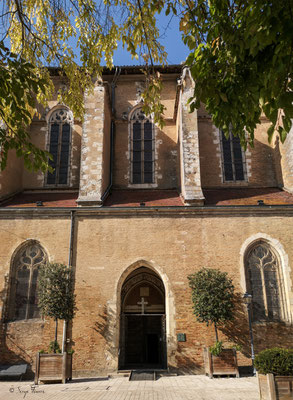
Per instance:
{"type": "Point", "coordinates": [232, 158]}
{"type": "Point", "coordinates": [23, 291]}
{"type": "Point", "coordinates": [265, 283]}
{"type": "Point", "coordinates": [59, 146]}
{"type": "Point", "coordinates": [142, 148]}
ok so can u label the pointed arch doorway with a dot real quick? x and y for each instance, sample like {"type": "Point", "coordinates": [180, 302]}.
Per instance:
{"type": "Point", "coordinates": [142, 321]}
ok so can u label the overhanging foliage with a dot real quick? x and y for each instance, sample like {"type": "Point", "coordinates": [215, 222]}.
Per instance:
{"type": "Point", "coordinates": [241, 62]}
{"type": "Point", "coordinates": [241, 58]}
{"type": "Point", "coordinates": [20, 85]}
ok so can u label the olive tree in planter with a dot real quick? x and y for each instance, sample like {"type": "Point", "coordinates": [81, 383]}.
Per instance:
{"type": "Point", "coordinates": [212, 296]}
{"type": "Point", "coordinates": [275, 373]}
{"type": "Point", "coordinates": [56, 300]}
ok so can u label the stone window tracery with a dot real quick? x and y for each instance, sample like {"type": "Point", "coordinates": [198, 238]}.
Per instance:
{"type": "Point", "coordinates": [233, 158]}
{"type": "Point", "coordinates": [23, 290]}
{"type": "Point", "coordinates": [265, 283]}
{"type": "Point", "coordinates": [142, 148]}
{"type": "Point", "coordinates": [60, 124]}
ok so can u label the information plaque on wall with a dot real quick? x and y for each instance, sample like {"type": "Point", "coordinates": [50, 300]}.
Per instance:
{"type": "Point", "coordinates": [181, 337]}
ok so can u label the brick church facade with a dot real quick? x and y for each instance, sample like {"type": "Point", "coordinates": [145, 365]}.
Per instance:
{"type": "Point", "coordinates": [135, 209]}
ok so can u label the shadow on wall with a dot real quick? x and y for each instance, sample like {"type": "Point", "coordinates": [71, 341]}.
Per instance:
{"type": "Point", "coordinates": [20, 340]}
{"type": "Point", "coordinates": [166, 159]}
{"type": "Point", "coordinates": [265, 334]}
{"type": "Point", "coordinates": [266, 164]}
{"type": "Point", "coordinates": [7, 340]}
{"type": "Point", "coordinates": [188, 363]}
{"type": "Point", "coordinates": [237, 330]}
{"type": "Point", "coordinates": [102, 327]}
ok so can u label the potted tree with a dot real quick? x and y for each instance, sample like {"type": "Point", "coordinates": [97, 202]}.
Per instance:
{"type": "Point", "coordinates": [212, 296]}
{"type": "Point", "coordinates": [57, 301]}
{"type": "Point", "coordinates": [275, 373]}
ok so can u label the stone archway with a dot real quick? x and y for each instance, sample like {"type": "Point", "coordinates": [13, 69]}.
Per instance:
{"type": "Point", "coordinates": [142, 342]}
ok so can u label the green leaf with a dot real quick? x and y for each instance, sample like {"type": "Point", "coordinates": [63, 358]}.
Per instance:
{"type": "Point", "coordinates": [212, 296]}
{"type": "Point", "coordinates": [282, 134]}
{"type": "Point", "coordinates": [270, 132]}
{"type": "Point", "coordinates": [223, 97]}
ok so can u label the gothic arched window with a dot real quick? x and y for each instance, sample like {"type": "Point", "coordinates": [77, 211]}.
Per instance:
{"type": "Point", "coordinates": [59, 146]}
{"type": "Point", "coordinates": [23, 302]}
{"type": "Point", "coordinates": [265, 282]}
{"type": "Point", "coordinates": [233, 161]}
{"type": "Point", "coordinates": [142, 148]}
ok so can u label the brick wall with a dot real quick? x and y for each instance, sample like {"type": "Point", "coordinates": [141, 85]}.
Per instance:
{"type": "Point", "coordinates": [108, 248]}
{"type": "Point", "coordinates": [262, 163]}
{"type": "Point", "coordinates": [267, 164]}
{"type": "Point", "coordinates": [10, 178]}
{"type": "Point", "coordinates": [127, 96]}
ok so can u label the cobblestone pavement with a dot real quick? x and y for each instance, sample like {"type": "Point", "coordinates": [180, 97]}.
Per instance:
{"type": "Point", "coordinates": [187, 387]}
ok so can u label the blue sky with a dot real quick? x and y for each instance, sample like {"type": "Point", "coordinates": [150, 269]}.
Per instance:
{"type": "Point", "coordinates": [171, 39]}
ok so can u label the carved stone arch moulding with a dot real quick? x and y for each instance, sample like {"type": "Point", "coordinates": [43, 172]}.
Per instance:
{"type": "Point", "coordinates": [137, 114]}
{"type": "Point", "coordinates": [55, 111]}
{"type": "Point", "coordinates": [114, 305]}
{"type": "Point", "coordinates": [264, 265]}
{"type": "Point", "coordinates": [142, 277]}
{"type": "Point", "coordinates": [23, 245]}
{"type": "Point", "coordinates": [61, 115]}
{"type": "Point", "coordinates": [159, 278]}
{"type": "Point", "coordinates": [136, 265]}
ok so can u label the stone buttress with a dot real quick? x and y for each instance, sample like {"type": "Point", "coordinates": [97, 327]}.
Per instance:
{"type": "Point", "coordinates": [191, 190]}
{"type": "Point", "coordinates": [95, 147]}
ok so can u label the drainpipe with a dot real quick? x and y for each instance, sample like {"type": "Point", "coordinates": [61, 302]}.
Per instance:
{"type": "Point", "coordinates": [70, 256]}
{"type": "Point", "coordinates": [113, 85]}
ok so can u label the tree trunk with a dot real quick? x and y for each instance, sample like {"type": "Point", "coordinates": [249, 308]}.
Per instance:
{"type": "Point", "coordinates": [56, 330]}
{"type": "Point", "coordinates": [64, 336]}
{"type": "Point", "coordinates": [216, 332]}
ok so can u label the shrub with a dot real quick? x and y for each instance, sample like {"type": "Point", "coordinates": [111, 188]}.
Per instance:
{"type": "Point", "coordinates": [275, 361]}
{"type": "Point", "coordinates": [217, 348]}
{"type": "Point", "coordinates": [54, 347]}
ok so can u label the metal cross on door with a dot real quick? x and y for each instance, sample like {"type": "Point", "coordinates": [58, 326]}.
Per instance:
{"type": "Point", "coordinates": [142, 303]}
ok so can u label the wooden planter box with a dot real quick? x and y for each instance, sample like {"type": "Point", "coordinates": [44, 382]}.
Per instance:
{"type": "Point", "coordinates": [224, 364]}
{"type": "Point", "coordinates": [273, 387]}
{"type": "Point", "coordinates": [53, 367]}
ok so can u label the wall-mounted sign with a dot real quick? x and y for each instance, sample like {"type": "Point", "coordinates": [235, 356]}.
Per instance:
{"type": "Point", "coordinates": [181, 337]}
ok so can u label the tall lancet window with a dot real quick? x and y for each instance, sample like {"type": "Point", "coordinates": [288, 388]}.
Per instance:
{"type": "Point", "coordinates": [142, 148]}
{"type": "Point", "coordinates": [59, 146]}
{"type": "Point", "coordinates": [23, 302]}
{"type": "Point", "coordinates": [233, 158]}
{"type": "Point", "coordinates": [264, 280]}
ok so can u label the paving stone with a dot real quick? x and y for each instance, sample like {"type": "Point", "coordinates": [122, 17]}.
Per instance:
{"type": "Point", "coordinates": [191, 387]}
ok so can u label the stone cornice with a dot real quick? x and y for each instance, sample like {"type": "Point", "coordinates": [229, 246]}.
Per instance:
{"type": "Point", "coordinates": [136, 212]}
